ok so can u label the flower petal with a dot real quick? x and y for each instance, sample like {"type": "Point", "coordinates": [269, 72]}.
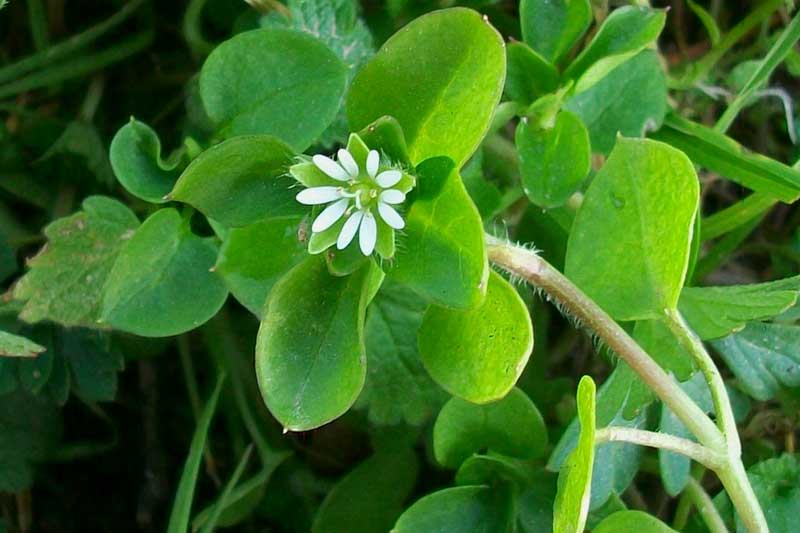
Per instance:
{"type": "Point", "coordinates": [349, 230]}
{"type": "Point", "coordinates": [373, 158]}
{"type": "Point", "coordinates": [390, 216]}
{"type": "Point", "coordinates": [387, 178]}
{"type": "Point", "coordinates": [368, 234]}
{"type": "Point", "coordinates": [347, 161]}
{"type": "Point", "coordinates": [392, 196]}
{"type": "Point", "coordinates": [330, 215]}
{"type": "Point", "coordinates": [330, 167]}
{"type": "Point", "coordinates": [318, 195]}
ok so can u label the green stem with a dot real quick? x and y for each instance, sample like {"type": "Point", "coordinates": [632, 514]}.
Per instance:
{"type": "Point", "coordinates": [708, 511]}
{"type": "Point", "coordinates": [192, 29]}
{"type": "Point", "coordinates": [737, 485]}
{"type": "Point", "coordinates": [697, 452]}
{"type": "Point", "coordinates": [38, 23]}
{"type": "Point", "coordinates": [719, 395]}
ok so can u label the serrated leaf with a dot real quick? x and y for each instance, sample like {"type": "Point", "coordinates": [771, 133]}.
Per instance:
{"type": "Point", "coordinates": [764, 357]}
{"type": "Point", "coordinates": [478, 354]}
{"type": "Point", "coordinates": [240, 181]}
{"type": "Point", "coordinates": [17, 346]}
{"type": "Point", "coordinates": [397, 388]}
{"type": "Point", "coordinates": [479, 509]}
{"type": "Point", "coordinates": [629, 100]}
{"type": "Point", "coordinates": [553, 27]}
{"type": "Point", "coordinates": [636, 221]}
{"type": "Point", "coordinates": [66, 279]}
{"type": "Point", "coordinates": [135, 155]}
{"type": "Point", "coordinates": [575, 479]}
{"type": "Point", "coordinates": [715, 312]}
{"type": "Point", "coordinates": [275, 82]}
{"type": "Point", "coordinates": [161, 283]}
{"type": "Point", "coordinates": [441, 77]}
{"type": "Point", "coordinates": [512, 426]}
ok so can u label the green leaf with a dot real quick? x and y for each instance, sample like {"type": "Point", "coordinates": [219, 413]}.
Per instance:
{"type": "Point", "coordinates": [370, 498]}
{"type": "Point", "coordinates": [493, 469]}
{"type": "Point", "coordinates": [724, 156]}
{"type": "Point", "coordinates": [554, 158]}
{"type": "Point", "coordinates": [715, 312]}
{"type": "Point", "coordinates": [658, 340]}
{"type": "Point", "coordinates": [627, 30]}
{"type": "Point", "coordinates": [253, 258]}
{"type": "Point", "coordinates": [630, 100]}
{"type": "Point", "coordinates": [310, 358]}
{"type": "Point", "coordinates": [529, 74]}
{"type": "Point", "coordinates": [443, 256]}
{"type": "Point", "coordinates": [764, 357]}
{"type": "Point", "coordinates": [273, 81]}
{"type": "Point", "coordinates": [30, 428]}
{"type": "Point", "coordinates": [478, 509]}
{"type": "Point", "coordinates": [240, 181]}
{"type": "Point", "coordinates": [638, 521]}
{"type": "Point", "coordinates": [776, 483]}
{"type": "Point", "coordinates": [478, 354]}
{"type": "Point", "coordinates": [575, 479]}
{"type": "Point", "coordinates": [629, 245]}
{"type": "Point", "coordinates": [511, 426]}
{"type": "Point", "coordinates": [136, 159]}
{"type": "Point", "coordinates": [398, 388]}
{"type": "Point", "coordinates": [553, 27]}
{"type": "Point", "coordinates": [161, 283]}
{"type": "Point", "coordinates": [93, 363]}
{"type": "Point", "coordinates": [66, 279]}
{"type": "Point", "coordinates": [182, 506]}
{"type": "Point", "coordinates": [16, 346]}
{"type": "Point", "coordinates": [386, 135]}
{"type": "Point", "coordinates": [224, 498]}
{"type": "Point", "coordinates": [441, 77]}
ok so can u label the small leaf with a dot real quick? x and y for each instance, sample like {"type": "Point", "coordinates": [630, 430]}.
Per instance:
{"type": "Point", "coordinates": [66, 278]}
{"type": "Point", "coordinates": [386, 135]}
{"type": "Point", "coordinates": [459, 509]}
{"type": "Point", "coordinates": [273, 81]}
{"type": "Point", "coordinates": [638, 521]}
{"type": "Point", "coordinates": [397, 389]}
{"type": "Point", "coordinates": [630, 100]}
{"type": "Point", "coordinates": [575, 479]}
{"type": "Point", "coordinates": [441, 77]}
{"type": "Point", "coordinates": [478, 354]}
{"type": "Point", "coordinates": [554, 159]}
{"type": "Point", "coordinates": [310, 358]}
{"type": "Point", "coordinates": [136, 159]}
{"type": "Point", "coordinates": [161, 284]}
{"type": "Point", "coordinates": [635, 224]}
{"type": "Point", "coordinates": [511, 426]}
{"type": "Point", "coordinates": [240, 181]}
{"type": "Point", "coordinates": [627, 29]}
{"type": "Point", "coordinates": [715, 312]}
{"type": "Point", "coordinates": [764, 357]}
{"type": "Point", "coordinates": [370, 498]}
{"type": "Point", "coordinates": [529, 74]}
{"type": "Point", "coordinates": [253, 258]}
{"type": "Point", "coordinates": [443, 256]}
{"type": "Point", "coordinates": [553, 27]}
{"type": "Point", "coordinates": [16, 346]}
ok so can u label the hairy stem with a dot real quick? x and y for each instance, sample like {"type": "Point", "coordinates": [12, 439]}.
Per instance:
{"type": "Point", "coordinates": [697, 452]}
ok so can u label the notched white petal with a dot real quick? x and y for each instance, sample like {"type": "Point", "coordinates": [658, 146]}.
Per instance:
{"type": "Point", "coordinates": [347, 161]}
{"type": "Point", "coordinates": [392, 196]}
{"type": "Point", "coordinates": [318, 195]}
{"type": "Point", "coordinates": [330, 167]}
{"type": "Point", "coordinates": [368, 234]}
{"type": "Point", "coordinates": [330, 215]}
{"type": "Point", "coordinates": [349, 230]}
{"type": "Point", "coordinates": [373, 159]}
{"type": "Point", "coordinates": [387, 178]}
{"type": "Point", "coordinates": [390, 216]}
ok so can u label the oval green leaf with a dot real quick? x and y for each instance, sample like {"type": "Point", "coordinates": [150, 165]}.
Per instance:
{"type": "Point", "coordinates": [135, 156]}
{"type": "Point", "coordinates": [629, 245]}
{"type": "Point", "coordinates": [638, 521]}
{"type": "Point", "coordinates": [478, 354]}
{"type": "Point", "coordinates": [240, 181]}
{"type": "Point", "coordinates": [456, 510]}
{"type": "Point", "coordinates": [273, 81]}
{"type": "Point", "coordinates": [310, 359]}
{"type": "Point", "coordinates": [512, 426]}
{"type": "Point", "coordinates": [552, 27]}
{"type": "Point", "coordinates": [161, 283]}
{"type": "Point", "coordinates": [529, 74]}
{"type": "Point", "coordinates": [441, 77]}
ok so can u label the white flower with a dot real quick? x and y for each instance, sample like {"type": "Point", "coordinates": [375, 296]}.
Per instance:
{"type": "Point", "coordinates": [360, 197]}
